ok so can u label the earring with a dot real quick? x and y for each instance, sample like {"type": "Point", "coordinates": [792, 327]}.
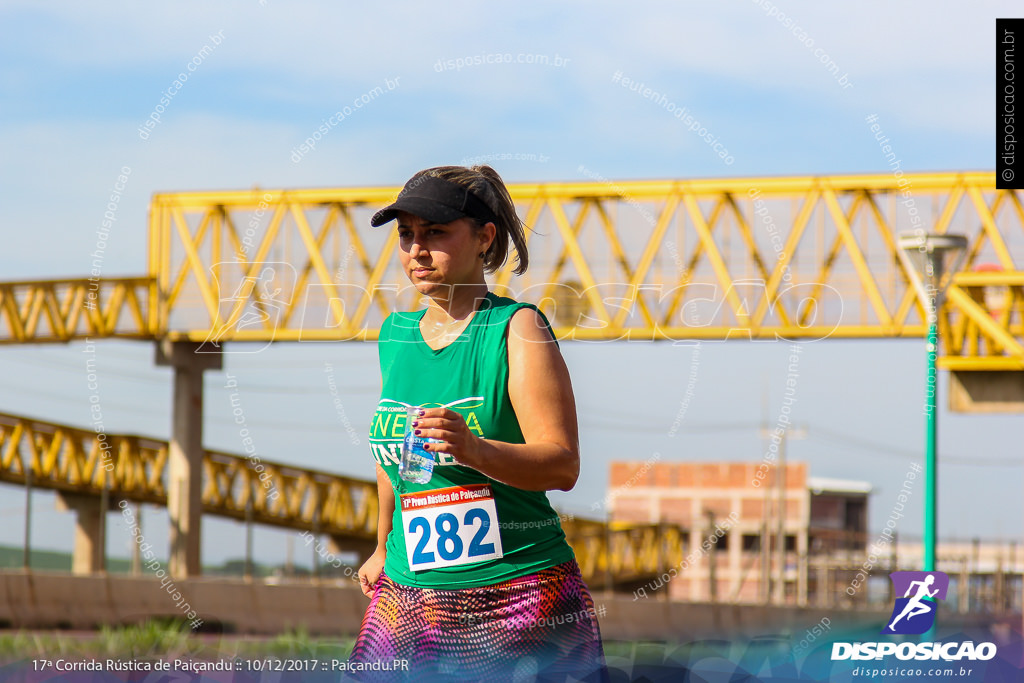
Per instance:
{"type": "Point", "coordinates": [480, 255]}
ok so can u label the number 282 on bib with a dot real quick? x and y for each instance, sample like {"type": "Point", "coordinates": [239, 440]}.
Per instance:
{"type": "Point", "coordinates": [450, 527]}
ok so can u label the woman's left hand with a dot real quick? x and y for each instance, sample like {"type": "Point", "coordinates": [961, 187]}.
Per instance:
{"type": "Point", "coordinates": [450, 427]}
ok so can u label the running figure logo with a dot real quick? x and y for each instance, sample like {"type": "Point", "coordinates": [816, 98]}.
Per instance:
{"type": "Point", "coordinates": [258, 302]}
{"type": "Point", "coordinates": [914, 613]}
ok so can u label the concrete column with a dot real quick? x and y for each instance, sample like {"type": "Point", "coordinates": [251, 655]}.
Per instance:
{"type": "Point", "coordinates": [338, 545]}
{"type": "Point", "coordinates": [696, 572]}
{"type": "Point", "coordinates": [803, 548]}
{"type": "Point", "coordinates": [137, 547]}
{"type": "Point", "coordinates": [779, 587]}
{"type": "Point", "coordinates": [735, 561]}
{"type": "Point", "coordinates": [712, 559]}
{"type": "Point", "coordinates": [185, 456]}
{"type": "Point", "coordinates": [88, 556]}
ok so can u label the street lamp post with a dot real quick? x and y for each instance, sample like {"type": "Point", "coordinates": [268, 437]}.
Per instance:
{"type": "Point", "coordinates": [930, 261]}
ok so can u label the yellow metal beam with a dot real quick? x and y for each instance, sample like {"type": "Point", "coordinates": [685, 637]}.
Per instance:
{"type": "Point", "coordinates": [37, 311]}
{"type": "Point", "coordinates": [760, 258]}
{"type": "Point", "coordinates": [66, 458]}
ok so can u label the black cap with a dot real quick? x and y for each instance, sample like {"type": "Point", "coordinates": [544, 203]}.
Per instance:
{"type": "Point", "coordinates": [436, 200]}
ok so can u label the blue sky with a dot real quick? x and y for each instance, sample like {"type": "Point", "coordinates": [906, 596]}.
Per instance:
{"type": "Point", "coordinates": [77, 81]}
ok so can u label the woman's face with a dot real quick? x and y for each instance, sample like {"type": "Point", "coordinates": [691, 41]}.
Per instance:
{"type": "Point", "coordinates": [435, 255]}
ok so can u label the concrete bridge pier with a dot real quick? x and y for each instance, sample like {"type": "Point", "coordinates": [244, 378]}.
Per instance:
{"type": "Point", "coordinates": [338, 545]}
{"type": "Point", "coordinates": [88, 556]}
{"type": "Point", "coordinates": [185, 450]}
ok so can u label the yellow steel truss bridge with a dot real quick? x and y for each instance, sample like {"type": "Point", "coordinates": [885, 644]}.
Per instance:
{"type": "Point", "coordinates": [752, 258]}
{"type": "Point", "coordinates": [758, 258]}
{"type": "Point", "coordinates": [59, 457]}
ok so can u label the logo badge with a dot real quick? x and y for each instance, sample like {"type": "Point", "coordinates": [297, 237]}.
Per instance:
{"type": "Point", "coordinates": [914, 613]}
{"type": "Point", "coordinates": [261, 293]}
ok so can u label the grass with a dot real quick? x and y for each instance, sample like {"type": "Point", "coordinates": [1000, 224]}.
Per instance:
{"type": "Point", "coordinates": [166, 639]}
{"type": "Point", "coordinates": [297, 644]}
{"type": "Point", "coordinates": [173, 639]}
{"type": "Point", "coordinates": [151, 639]}
{"type": "Point", "coordinates": [12, 557]}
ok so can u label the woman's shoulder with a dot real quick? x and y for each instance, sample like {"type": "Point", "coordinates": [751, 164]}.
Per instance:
{"type": "Point", "coordinates": [525, 320]}
{"type": "Point", "coordinates": [497, 301]}
{"type": "Point", "coordinates": [507, 306]}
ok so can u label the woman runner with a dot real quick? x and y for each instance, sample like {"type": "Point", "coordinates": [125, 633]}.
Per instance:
{"type": "Point", "coordinates": [472, 577]}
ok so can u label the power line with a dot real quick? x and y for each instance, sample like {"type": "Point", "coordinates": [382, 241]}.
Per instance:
{"type": "Point", "coordinates": [634, 423]}
{"type": "Point", "coordinates": [256, 388]}
{"type": "Point", "coordinates": [135, 408]}
{"type": "Point", "coordinates": [870, 448]}
{"type": "Point", "coordinates": [875, 448]}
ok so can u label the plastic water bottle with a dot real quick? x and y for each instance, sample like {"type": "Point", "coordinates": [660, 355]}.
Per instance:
{"type": "Point", "coordinates": [416, 465]}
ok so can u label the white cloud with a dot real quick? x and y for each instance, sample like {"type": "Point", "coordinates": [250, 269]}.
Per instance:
{"type": "Point", "coordinates": [286, 67]}
{"type": "Point", "coordinates": [908, 58]}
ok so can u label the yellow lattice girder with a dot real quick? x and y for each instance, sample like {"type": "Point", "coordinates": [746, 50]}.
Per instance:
{"type": "Point", "coordinates": [65, 458]}
{"type": "Point", "coordinates": [831, 272]}
{"type": "Point", "coordinates": [674, 259]}
{"type": "Point", "coordinates": [36, 311]}
{"type": "Point", "coordinates": [624, 553]}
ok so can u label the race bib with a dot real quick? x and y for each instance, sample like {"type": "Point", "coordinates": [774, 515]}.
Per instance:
{"type": "Point", "coordinates": [450, 527]}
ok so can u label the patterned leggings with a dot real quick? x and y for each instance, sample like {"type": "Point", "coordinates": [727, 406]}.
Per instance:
{"type": "Point", "coordinates": [540, 624]}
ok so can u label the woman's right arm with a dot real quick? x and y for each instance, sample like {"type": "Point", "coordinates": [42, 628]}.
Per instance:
{"type": "Point", "coordinates": [371, 569]}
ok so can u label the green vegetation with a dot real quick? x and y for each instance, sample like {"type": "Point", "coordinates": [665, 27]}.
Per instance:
{"type": "Point", "coordinates": [173, 639]}
{"type": "Point", "coordinates": [297, 644]}
{"type": "Point", "coordinates": [151, 639]}
{"type": "Point", "coordinates": [166, 639]}
{"type": "Point", "coordinates": [53, 560]}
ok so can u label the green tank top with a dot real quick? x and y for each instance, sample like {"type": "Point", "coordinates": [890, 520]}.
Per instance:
{"type": "Point", "coordinates": [469, 376]}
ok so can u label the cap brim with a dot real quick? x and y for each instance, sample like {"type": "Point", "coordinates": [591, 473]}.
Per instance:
{"type": "Point", "coordinates": [428, 209]}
